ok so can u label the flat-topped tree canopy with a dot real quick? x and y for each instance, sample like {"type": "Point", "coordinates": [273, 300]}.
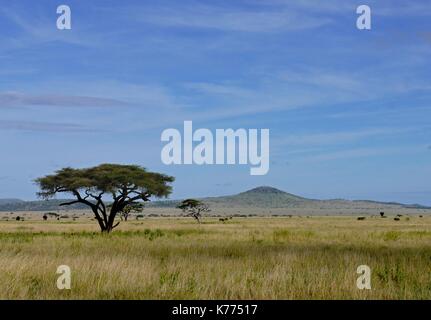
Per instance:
{"type": "Point", "coordinates": [193, 208]}
{"type": "Point", "coordinates": [126, 184]}
{"type": "Point", "coordinates": [107, 178]}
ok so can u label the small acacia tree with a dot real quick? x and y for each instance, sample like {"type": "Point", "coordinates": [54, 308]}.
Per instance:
{"type": "Point", "coordinates": [194, 208]}
{"type": "Point", "coordinates": [129, 209]}
{"type": "Point", "coordinates": [127, 185]}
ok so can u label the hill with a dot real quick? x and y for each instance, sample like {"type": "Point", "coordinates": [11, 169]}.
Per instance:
{"type": "Point", "coordinates": [260, 197]}
{"type": "Point", "coordinates": [269, 197]}
{"type": "Point", "coordinates": [43, 205]}
{"type": "Point", "coordinates": [10, 201]}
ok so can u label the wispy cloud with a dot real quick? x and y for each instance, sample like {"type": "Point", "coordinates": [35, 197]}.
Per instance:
{"type": "Point", "coordinates": [402, 8]}
{"type": "Point", "coordinates": [36, 28]}
{"type": "Point", "coordinates": [229, 18]}
{"type": "Point", "coordinates": [363, 153]}
{"type": "Point", "coordinates": [379, 7]}
{"type": "Point", "coordinates": [393, 112]}
{"type": "Point", "coordinates": [272, 15]}
{"type": "Point", "coordinates": [36, 126]}
{"type": "Point", "coordinates": [220, 89]}
{"type": "Point", "coordinates": [366, 83]}
{"type": "Point", "coordinates": [323, 78]}
{"type": "Point", "coordinates": [328, 138]}
{"type": "Point", "coordinates": [16, 99]}
{"type": "Point", "coordinates": [301, 87]}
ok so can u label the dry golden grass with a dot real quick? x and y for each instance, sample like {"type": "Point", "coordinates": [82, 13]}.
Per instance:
{"type": "Point", "coordinates": [244, 258]}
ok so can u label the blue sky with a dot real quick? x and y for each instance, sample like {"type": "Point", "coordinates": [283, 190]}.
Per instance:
{"type": "Point", "coordinates": [349, 111]}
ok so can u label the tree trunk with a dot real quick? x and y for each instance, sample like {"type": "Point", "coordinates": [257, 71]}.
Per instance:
{"type": "Point", "coordinates": [110, 223]}
{"type": "Point", "coordinates": [108, 228]}
{"type": "Point", "coordinates": [100, 220]}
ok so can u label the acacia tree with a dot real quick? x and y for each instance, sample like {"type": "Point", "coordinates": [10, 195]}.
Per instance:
{"type": "Point", "coordinates": [129, 209]}
{"type": "Point", "coordinates": [127, 185]}
{"type": "Point", "coordinates": [194, 208]}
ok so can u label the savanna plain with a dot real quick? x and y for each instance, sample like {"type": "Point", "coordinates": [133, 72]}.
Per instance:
{"type": "Point", "coordinates": [296, 257]}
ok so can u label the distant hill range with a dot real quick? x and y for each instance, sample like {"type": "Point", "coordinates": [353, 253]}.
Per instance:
{"type": "Point", "coordinates": [269, 197]}
{"type": "Point", "coordinates": [41, 205]}
{"type": "Point", "coordinates": [260, 197]}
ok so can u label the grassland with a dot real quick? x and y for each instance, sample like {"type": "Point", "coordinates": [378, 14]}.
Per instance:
{"type": "Point", "coordinates": [243, 258]}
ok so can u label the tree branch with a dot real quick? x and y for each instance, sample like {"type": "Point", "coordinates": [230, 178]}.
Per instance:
{"type": "Point", "coordinates": [69, 203]}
